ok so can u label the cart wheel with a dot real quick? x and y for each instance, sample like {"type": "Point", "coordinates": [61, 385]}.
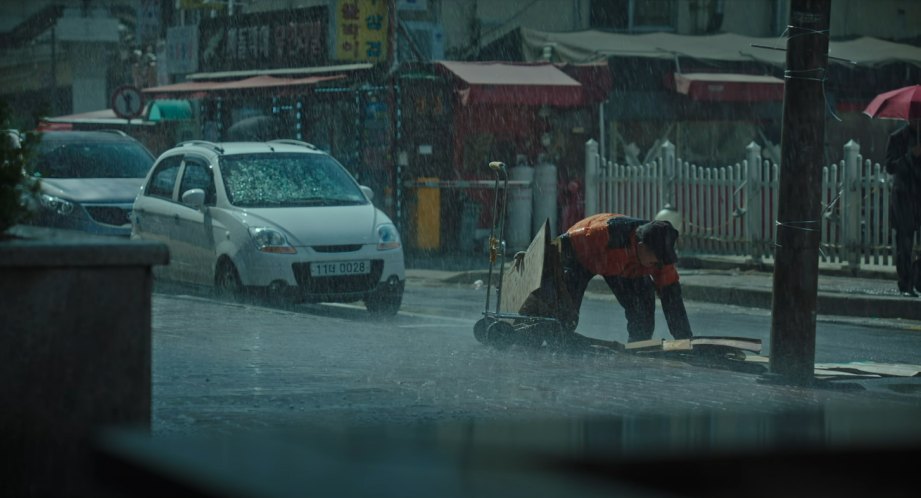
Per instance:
{"type": "Point", "coordinates": [500, 335]}
{"type": "Point", "coordinates": [479, 330]}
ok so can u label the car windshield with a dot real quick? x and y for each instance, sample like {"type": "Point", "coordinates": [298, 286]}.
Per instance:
{"type": "Point", "coordinates": [92, 160]}
{"type": "Point", "coordinates": [287, 180]}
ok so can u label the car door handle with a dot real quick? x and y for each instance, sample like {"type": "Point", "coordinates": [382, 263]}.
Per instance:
{"type": "Point", "coordinates": [176, 218]}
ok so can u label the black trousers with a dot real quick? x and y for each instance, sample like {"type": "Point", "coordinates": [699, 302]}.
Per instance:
{"type": "Point", "coordinates": [904, 238]}
{"type": "Point", "coordinates": [905, 217]}
{"type": "Point", "coordinates": [636, 295]}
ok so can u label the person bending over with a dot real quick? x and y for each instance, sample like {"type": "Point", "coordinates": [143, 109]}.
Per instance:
{"type": "Point", "coordinates": [635, 257]}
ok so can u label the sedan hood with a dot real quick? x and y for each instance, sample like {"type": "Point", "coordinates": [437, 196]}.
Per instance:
{"type": "Point", "coordinates": [114, 190]}
{"type": "Point", "coordinates": [314, 226]}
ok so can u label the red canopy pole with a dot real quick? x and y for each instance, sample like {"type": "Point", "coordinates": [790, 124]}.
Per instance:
{"type": "Point", "coordinates": [457, 134]}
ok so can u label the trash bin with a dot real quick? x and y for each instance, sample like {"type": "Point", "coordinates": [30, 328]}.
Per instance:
{"type": "Point", "coordinates": [427, 215]}
{"type": "Point", "coordinates": [545, 192]}
{"type": "Point", "coordinates": [520, 205]}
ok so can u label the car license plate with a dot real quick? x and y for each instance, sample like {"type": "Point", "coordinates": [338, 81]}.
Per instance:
{"type": "Point", "coordinates": [337, 268]}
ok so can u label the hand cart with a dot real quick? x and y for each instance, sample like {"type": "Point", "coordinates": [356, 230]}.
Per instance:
{"type": "Point", "coordinates": [498, 328]}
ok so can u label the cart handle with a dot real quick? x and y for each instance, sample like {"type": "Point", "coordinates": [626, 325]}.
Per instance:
{"type": "Point", "coordinates": [494, 240]}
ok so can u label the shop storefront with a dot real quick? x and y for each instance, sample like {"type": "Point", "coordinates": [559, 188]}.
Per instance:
{"type": "Point", "coordinates": [459, 116]}
{"type": "Point", "coordinates": [343, 111]}
{"type": "Point", "coordinates": [316, 74]}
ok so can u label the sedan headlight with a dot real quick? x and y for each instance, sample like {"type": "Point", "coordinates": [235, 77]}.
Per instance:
{"type": "Point", "coordinates": [60, 206]}
{"type": "Point", "coordinates": [271, 240]}
{"type": "Point", "coordinates": [387, 237]}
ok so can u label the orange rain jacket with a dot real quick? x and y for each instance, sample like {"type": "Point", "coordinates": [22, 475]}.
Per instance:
{"type": "Point", "coordinates": [605, 244]}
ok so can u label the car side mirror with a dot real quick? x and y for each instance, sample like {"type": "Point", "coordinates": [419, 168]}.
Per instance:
{"type": "Point", "coordinates": [194, 198]}
{"type": "Point", "coordinates": [367, 191]}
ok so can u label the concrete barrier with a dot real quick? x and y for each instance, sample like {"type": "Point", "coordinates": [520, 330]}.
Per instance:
{"type": "Point", "coordinates": [75, 354]}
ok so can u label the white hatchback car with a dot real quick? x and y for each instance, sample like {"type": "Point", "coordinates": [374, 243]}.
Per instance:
{"type": "Point", "coordinates": [281, 216]}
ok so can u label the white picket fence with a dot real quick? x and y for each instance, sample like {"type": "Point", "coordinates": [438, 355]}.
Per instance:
{"type": "Point", "coordinates": [731, 210]}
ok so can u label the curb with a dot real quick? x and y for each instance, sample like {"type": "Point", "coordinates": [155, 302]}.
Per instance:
{"type": "Point", "coordinates": [827, 303]}
{"type": "Point", "coordinates": [696, 263]}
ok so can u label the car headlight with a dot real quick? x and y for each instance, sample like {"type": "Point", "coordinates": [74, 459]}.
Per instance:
{"type": "Point", "coordinates": [387, 237]}
{"type": "Point", "coordinates": [271, 240]}
{"type": "Point", "coordinates": [60, 206]}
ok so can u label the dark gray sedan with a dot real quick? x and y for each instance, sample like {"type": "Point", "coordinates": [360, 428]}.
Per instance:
{"type": "Point", "coordinates": [89, 180]}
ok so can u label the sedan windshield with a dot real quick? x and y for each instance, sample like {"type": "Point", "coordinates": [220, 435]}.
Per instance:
{"type": "Point", "coordinates": [92, 160]}
{"type": "Point", "coordinates": [285, 180]}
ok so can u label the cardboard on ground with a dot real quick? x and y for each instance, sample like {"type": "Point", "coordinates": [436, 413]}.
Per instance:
{"type": "Point", "coordinates": [659, 345]}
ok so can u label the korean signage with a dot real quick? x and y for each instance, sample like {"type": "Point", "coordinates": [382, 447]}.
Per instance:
{"type": "Point", "coordinates": [182, 49]}
{"type": "Point", "coordinates": [266, 40]}
{"type": "Point", "coordinates": [148, 21]}
{"type": "Point", "coordinates": [362, 28]}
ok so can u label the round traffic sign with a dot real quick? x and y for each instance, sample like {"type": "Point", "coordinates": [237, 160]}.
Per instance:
{"type": "Point", "coordinates": [127, 102]}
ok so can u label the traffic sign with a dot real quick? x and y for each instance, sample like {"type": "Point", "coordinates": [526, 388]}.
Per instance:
{"type": "Point", "coordinates": [127, 102]}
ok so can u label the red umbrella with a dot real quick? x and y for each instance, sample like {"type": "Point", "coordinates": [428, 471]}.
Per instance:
{"type": "Point", "coordinates": [904, 103]}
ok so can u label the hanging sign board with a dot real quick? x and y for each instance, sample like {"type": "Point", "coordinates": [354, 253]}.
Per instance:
{"type": "Point", "coordinates": [269, 40]}
{"type": "Point", "coordinates": [361, 29]}
{"type": "Point", "coordinates": [182, 49]}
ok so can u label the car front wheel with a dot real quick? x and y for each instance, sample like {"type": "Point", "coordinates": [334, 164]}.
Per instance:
{"type": "Point", "coordinates": [387, 299]}
{"type": "Point", "coordinates": [227, 284]}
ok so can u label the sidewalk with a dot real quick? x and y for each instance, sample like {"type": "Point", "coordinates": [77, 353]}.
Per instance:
{"type": "Point", "coordinates": [871, 293]}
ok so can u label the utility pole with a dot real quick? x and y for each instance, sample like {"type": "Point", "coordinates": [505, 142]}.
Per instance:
{"type": "Point", "coordinates": [394, 199]}
{"type": "Point", "coordinates": [796, 257]}
{"type": "Point", "coordinates": [53, 108]}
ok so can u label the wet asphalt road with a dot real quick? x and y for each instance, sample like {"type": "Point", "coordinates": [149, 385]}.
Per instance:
{"type": "Point", "coordinates": [223, 368]}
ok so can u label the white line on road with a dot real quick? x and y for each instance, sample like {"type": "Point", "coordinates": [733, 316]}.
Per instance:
{"type": "Point", "coordinates": [409, 313]}
{"type": "Point", "coordinates": [349, 306]}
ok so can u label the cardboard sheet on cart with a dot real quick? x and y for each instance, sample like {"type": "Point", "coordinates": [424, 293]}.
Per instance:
{"type": "Point", "coordinates": [524, 276]}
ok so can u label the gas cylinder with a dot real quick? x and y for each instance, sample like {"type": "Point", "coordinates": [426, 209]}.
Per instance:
{"type": "Point", "coordinates": [545, 193]}
{"type": "Point", "coordinates": [518, 223]}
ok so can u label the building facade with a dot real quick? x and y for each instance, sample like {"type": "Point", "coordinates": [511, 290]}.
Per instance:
{"type": "Point", "coordinates": [383, 105]}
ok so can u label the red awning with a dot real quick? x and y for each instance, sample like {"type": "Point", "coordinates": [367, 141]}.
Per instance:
{"type": "Point", "coordinates": [187, 90]}
{"type": "Point", "coordinates": [595, 78]}
{"type": "Point", "coordinates": [729, 87]}
{"type": "Point", "coordinates": [199, 89]}
{"type": "Point", "coordinates": [46, 126]}
{"type": "Point", "coordinates": [521, 84]}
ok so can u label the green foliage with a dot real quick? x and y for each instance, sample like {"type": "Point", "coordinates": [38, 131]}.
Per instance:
{"type": "Point", "coordinates": [17, 189]}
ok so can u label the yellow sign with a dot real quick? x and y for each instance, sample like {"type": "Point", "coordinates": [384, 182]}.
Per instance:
{"type": "Point", "coordinates": [361, 30]}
